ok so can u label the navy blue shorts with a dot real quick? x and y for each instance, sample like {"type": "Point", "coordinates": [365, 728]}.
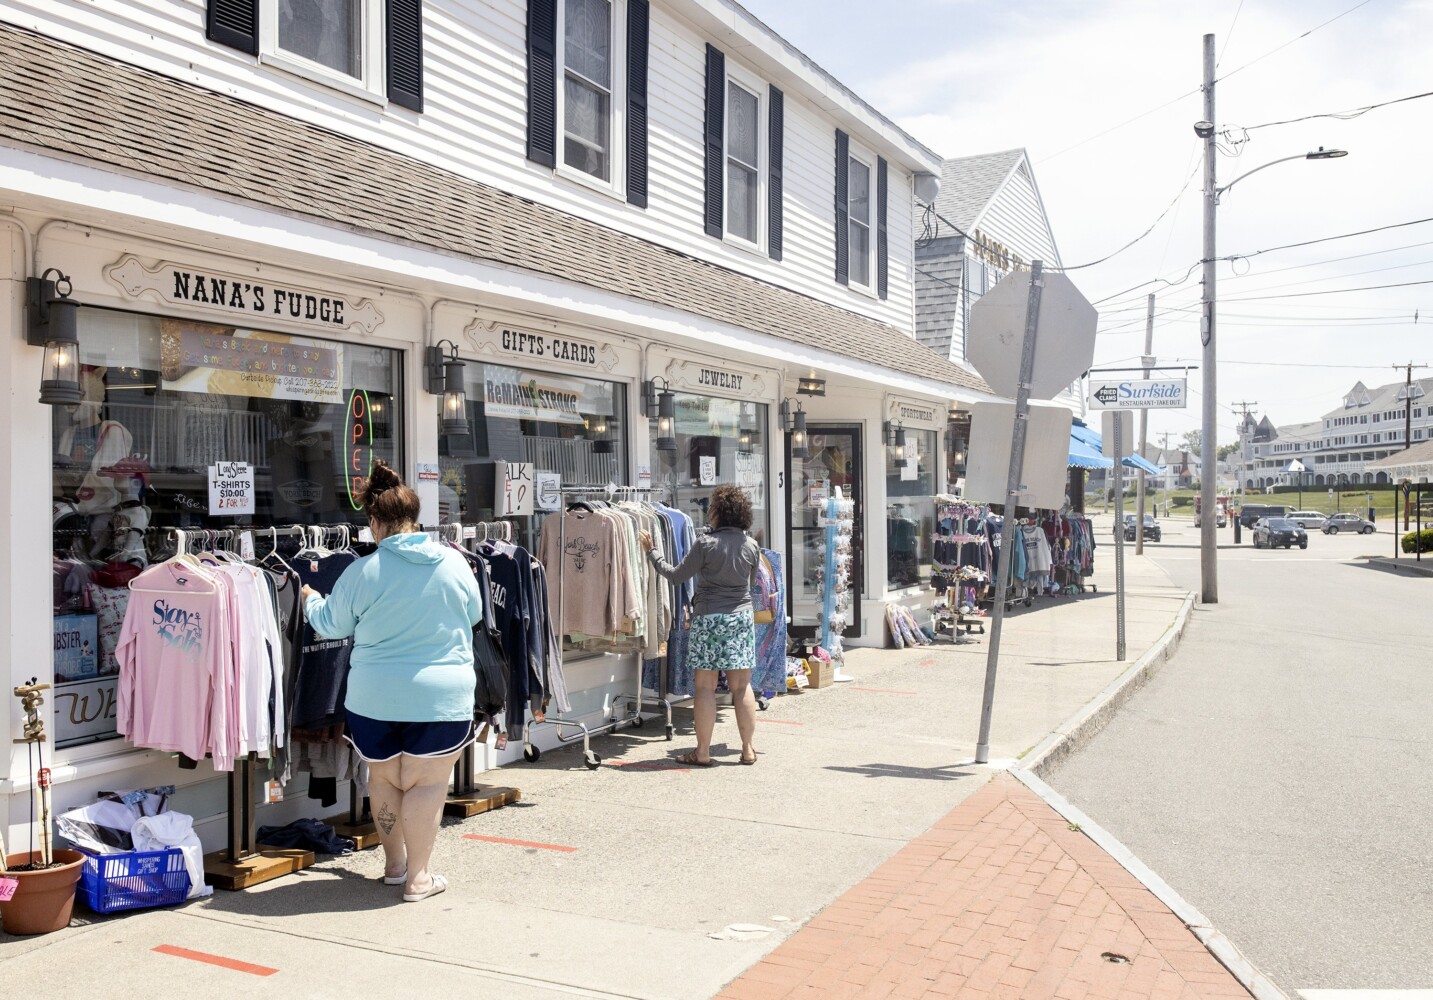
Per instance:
{"type": "Point", "coordinates": [377, 741]}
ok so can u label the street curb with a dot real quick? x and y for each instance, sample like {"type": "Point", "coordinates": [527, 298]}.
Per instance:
{"type": "Point", "coordinates": [1404, 567]}
{"type": "Point", "coordinates": [1218, 945]}
{"type": "Point", "coordinates": [1079, 730]}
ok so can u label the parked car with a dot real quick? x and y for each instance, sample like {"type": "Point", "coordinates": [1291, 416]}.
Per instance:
{"type": "Point", "coordinates": [1273, 532]}
{"type": "Point", "coordinates": [1310, 519]}
{"type": "Point", "coordinates": [1251, 512]}
{"type": "Point", "coordinates": [1151, 528]}
{"type": "Point", "coordinates": [1348, 522]}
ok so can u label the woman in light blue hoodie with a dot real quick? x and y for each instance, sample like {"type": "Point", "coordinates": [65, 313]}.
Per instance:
{"type": "Point", "coordinates": [410, 608]}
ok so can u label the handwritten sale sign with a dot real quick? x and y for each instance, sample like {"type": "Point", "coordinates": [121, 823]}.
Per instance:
{"type": "Point", "coordinates": [231, 488]}
{"type": "Point", "coordinates": [517, 491]}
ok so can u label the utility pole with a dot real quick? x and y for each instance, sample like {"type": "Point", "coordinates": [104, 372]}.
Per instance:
{"type": "Point", "coordinates": [1408, 395]}
{"type": "Point", "coordinates": [1144, 430]}
{"type": "Point", "coordinates": [1164, 452]}
{"type": "Point", "coordinates": [1208, 540]}
{"type": "Point", "coordinates": [1244, 429]}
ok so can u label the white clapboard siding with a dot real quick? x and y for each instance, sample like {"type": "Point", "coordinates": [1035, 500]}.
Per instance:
{"type": "Point", "coordinates": [474, 124]}
{"type": "Point", "coordinates": [1015, 218]}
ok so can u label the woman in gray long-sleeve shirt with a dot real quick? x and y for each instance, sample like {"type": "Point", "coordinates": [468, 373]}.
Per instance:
{"type": "Point", "coordinates": [723, 634]}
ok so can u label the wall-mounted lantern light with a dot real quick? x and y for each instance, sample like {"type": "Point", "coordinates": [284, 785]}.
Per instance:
{"type": "Point", "coordinates": [810, 385]}
{"type": "Point", "coordinates": [445, 378]}
{"type": "Point", "coordinates": [896, 437]}
{"type": "Point", "coordinates": [795, 422]}
{"type": "Point", "coordinates": [53, 323]}
{"type": "Point", "coordinates": [663, 406]}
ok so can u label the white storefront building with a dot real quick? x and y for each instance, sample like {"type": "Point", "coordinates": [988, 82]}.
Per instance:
{"type": "Point", "coordinates": [268, 229]}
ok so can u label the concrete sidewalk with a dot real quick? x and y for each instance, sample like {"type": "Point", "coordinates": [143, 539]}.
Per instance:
{"type": "Point", "coordinates": [643, 878]}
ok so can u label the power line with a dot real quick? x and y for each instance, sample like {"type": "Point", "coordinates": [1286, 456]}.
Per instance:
{"type": "Point", "coordinates": [1229, 34]}
{"type": "Point", "coordinates": [1327, 239]}
{"type": "Point", "coordinates": [1331, 291]}
{"type": "Point", "coordinates": [1116, 128]}
{"type": "Point", "coordinates": [1342, 115]}
{"type": "Point", "coordinates": [1291, 41]}
{"type": "Point", "coordinates": [1168, 208]}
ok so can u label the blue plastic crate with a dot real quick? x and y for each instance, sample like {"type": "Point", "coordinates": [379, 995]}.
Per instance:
{"type": "Point", "coordinates": [133, 880]}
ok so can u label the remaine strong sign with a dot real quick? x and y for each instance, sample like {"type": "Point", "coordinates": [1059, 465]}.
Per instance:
{"type": "Point", "coordinates": [1139, 394]}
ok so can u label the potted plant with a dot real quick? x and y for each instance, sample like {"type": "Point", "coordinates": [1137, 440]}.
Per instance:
{"type": "Point", "coordinates": [37, 887]}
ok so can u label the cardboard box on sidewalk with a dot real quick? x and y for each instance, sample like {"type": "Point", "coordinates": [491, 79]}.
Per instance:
{"type": "Point", "coordinates": [820, 673]}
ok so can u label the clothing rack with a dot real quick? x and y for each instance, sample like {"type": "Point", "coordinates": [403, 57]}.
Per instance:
{"type": "Point", "coordinates": [530, 752]}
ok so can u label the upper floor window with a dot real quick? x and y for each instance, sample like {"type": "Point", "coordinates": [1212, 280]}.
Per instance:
{"type": "Point", "coordinates": [588, 108]}
{"type": "Point", "coordinates": [744, 125]}
{"type": "Point", "coordinates": [743, 163]}
{"type": "Point", "coordinates": [369, 48]}
{"type": "Point", "coordinates": [861, 249]}
{"type": "Point", "coordinates": [587, 91]}
{"type": "Point", "coordinates": [859, 201]}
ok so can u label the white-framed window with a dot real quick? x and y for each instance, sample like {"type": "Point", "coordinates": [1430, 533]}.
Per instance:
{"type": "Point", "coordinates": [334, 42]}
{"type": "Point", "coordinates": [744, 145]}
{"type": "Point", "coordinates": [861, 205]}
{"type": "Point", "coordinates": [591, 99]}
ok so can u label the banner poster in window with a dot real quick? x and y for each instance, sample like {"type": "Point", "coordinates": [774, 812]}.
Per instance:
{"type": "Point", "coordinates": [751, 476]}
{"type": "Point", "coordinates": [549, 491]}
{"type": "Point", "coordinates": [521, 395]}
{"type": "Point", "coordinates": [84, 701]}
{"type": "Point", "coordinates": [201, 357]}
{"type": "Point", "coordinates": [910, 471]}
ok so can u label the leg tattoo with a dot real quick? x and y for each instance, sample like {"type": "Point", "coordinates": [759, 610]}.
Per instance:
{"type": "Point", "coordinates": [386, 819]}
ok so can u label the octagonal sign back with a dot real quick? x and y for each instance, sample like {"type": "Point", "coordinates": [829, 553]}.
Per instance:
{"type": "Point", "coordinates": [1064, 344]}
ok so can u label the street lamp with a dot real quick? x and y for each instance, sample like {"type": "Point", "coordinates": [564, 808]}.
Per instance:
{"type": "Point", "coordinates": [1206, 130]}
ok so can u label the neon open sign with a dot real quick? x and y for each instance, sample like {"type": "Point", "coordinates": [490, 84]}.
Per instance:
{"type": "Point", "coordinates": [358, 461]}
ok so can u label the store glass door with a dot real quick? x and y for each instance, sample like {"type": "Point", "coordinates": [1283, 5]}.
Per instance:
{"type": "Point", "coordinates": [833, 462]}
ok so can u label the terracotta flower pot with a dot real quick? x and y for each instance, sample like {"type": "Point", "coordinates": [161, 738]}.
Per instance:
{"type": "Point", "coordinates": [44, 900]}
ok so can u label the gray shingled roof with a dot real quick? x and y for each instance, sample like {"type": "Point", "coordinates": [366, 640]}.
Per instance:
{"type": "Point", "coordinates": [67, 101]}
{"type": "Point", "coordinates": [969, 183]}
{"type": "Point", "coordinates": [1420, 454]}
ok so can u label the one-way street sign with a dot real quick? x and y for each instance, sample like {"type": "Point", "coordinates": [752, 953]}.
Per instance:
{"type": "Point", "coordinates": [1139, 394]}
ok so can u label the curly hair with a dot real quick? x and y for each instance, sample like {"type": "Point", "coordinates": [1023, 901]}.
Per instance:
{"type": "Point", "coordinates": [388, 500]}
{"type": "Point", "coordinates": [731, 507]}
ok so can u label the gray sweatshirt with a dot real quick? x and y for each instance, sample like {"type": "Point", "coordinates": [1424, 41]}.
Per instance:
{"type": "Point", "coordinates": [724, 563]}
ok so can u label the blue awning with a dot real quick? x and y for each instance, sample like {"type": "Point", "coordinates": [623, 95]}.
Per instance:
{"type": "Point", "coordinates": [1090, 439]}
{"type": "Point", "coordinates": [1082, 456]}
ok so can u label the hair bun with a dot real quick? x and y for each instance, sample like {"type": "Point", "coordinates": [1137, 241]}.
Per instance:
{"type": "Point", "coordinates": [381, 479]}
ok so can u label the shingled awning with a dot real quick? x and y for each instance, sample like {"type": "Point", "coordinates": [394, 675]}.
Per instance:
{"type": "Point", "coordinates": [59, 99]}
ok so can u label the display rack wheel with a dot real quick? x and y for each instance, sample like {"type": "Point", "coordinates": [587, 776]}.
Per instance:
{"type": "Point", "coordinates": [1027, 602]}
{"type": "Point", "coordinates": [671, 732]}
{"type": "Point", "coordinates": [762, 704]}
{"type": "Point", "coordinates": [591, 760]}
{"type": "Point", "coordinates": [531, 754]}
{"type": "Point", "coordinates": [638, 722]}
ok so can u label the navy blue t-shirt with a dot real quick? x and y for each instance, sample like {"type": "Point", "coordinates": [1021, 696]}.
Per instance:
{"type": "Point", "coordinates": [323, 665]}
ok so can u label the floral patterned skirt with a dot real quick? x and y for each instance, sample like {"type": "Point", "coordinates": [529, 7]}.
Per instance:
{"type": "Point", "coordinates": [723, 642]}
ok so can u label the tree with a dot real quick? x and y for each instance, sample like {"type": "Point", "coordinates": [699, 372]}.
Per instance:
{"type": "Point", "coordinates": [1225, 450]}
{"type": "Point", "coordinates": [1192, 442]}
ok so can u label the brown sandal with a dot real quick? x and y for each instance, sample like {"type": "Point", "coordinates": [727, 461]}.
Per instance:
{"type": "Point", "coordinates": [690, 758]}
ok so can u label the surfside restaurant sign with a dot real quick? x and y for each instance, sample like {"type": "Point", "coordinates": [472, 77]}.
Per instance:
{"type": "Point", "coordinates": [1139, 394]}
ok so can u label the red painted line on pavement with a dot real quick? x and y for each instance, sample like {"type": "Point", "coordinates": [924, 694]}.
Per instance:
{"type": "Point", "coordinates": [781, 722]}
{"type": "Point", "coordinates": [519, 843]}
{"type": "Point", "coordinates": [883, 690]}
{"type": "Point", "coordinates": [647, 765]}
{"type": "Point", "coordinates": [219, 960]}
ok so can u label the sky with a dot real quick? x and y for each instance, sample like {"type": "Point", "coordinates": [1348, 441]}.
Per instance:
{"type": "Point", "coordinates": [1104, 93]}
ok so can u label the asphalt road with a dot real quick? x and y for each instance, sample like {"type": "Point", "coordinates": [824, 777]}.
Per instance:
{"type": "Point", "coordinates": [1278, 772]}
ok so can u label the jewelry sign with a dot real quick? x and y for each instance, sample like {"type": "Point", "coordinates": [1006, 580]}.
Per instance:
{"type": "Point", "coordinates": [1139, 394]}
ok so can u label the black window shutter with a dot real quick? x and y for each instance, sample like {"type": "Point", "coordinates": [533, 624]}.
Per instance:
{"type": "Point", "coordinates": [881, 264]}
{"type": "Point", "coordinates": [403, 20]}
{"type": "Point", "coordinates": [542, 82]}
{"type": "Point", "coordinates": [637, 19]}
{"type": "Point", "coordinates": [775, 143]}
{"type": "Point", "coordinates": [843, 208]}
{"type": "Point", "coordinates": [234, 23]}
{"type": "Point", "coordinates": [715, 122]}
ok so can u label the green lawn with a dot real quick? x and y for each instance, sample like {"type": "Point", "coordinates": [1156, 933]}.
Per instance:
{"type": "Point", "coordinates": [1181, 502]}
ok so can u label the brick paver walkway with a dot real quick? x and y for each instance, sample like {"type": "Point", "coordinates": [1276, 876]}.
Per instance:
{"type": "Point", "coordinates": [999, 899]}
